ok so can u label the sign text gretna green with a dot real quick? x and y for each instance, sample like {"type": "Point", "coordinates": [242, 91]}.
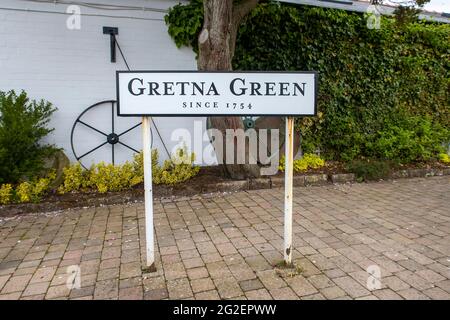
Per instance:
{"type": "Point", "coordinates": [216, 93]}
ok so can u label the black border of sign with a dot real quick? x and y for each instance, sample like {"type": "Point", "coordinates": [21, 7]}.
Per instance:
{"type": "Point", "coordinates": [316, 88]}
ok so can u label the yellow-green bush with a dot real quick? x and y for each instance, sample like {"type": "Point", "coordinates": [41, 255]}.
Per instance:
{"type": "Point", "coordinates": [6, 193]}
{"type": "Point", "coordinates": [308, 160]}
{"type": "Point", "coordinates": [443, 157]}
{"type": "Point", "coordinates": [27, 191]}
{"type": "Point", "coordinates": [34, 191]}
{"type": "Point", "coordinates": [75, 178]}
{"type": "Point", "coordinates": [23, 192]}
{"type": "Point", "coordinates": [107, 177]}
{"type": "Point", "coordinates": [104, 177]}
{"type": "Point", "coordinates": [178, 169]}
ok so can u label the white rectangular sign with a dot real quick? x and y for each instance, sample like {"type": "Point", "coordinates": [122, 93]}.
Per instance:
{"type": "Point", "coordinates": [197, 93]}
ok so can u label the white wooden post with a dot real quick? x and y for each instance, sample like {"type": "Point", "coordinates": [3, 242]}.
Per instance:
{"type": "Point", "coordinates": [148, 193]}
{"type": "Point", "coordinates": [288, 186]}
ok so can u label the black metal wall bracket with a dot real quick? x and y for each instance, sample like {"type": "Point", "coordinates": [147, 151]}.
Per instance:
{"type": "Point", "coordinates": [112, 31]}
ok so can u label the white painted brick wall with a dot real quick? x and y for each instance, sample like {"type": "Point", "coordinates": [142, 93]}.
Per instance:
{"type": "Point", "coordinates": [72, 69]}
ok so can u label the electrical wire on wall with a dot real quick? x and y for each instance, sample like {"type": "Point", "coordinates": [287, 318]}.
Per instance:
{"type": "Point", "coordinates": [97, 6]}
{"type": "Point", "coordinates": [101, 6]}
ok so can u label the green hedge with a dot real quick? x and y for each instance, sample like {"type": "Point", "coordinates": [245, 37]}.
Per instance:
{"type": "Point", "coordinates": [383, 93]}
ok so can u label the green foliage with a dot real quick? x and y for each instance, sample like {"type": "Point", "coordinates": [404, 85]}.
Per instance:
{"type": "Point", "coordinates": [306, 162]}
{"type": "Point", "coordinates": [23, 125]}
{"type": "Point", "coordinates": [373, 84]}
{"type": "Point", "coordinates": [185, 22]}
{"type": "Point", "coordinates": [444, 158]}
{"type": "Point", "coordinates": [377, 88]}
{"type": "Point", "coordinates": [6, 193]}
{"type": "Point", "coordinates": [28, 191]}
{"type": "Point", "coordinates": [107, 177]}
{"type": "Point", "coordinates": [413, 139]}
{"type": "Point", "coordinates": [366, 170]}
{"type": "Point", "coordinates": [178, 169]}
{"type": "Point", "coordinates": [75, 178]}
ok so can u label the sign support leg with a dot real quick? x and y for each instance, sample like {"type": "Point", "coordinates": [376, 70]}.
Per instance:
{"type": "Point", "coordinates": [148, 194]}
{"type": "Point", "coordinates": [288, 188]}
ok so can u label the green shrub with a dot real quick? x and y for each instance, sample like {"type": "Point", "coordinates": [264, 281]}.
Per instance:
{"type": "Point", "coordinates": [307, 161]}
{"type": "Point", "coordinates": [107, 177]}
{"type": "Point", "coordinates": [33, 191]}
{"type": "Point", "coordinates": [6, 193]}
{"type": "Point", "coordinates": [366, 170]}
{"type": "Point", "coordinates": [179, 168]}
{"type": "Point", "coordinates": [23, 125]}
{"type": "Point", "coordinates": [375, 85]}
{"type": "Point", "coordinates": [412, 139]}
{"type": "Point", "coordinates": [444, 158]}
{"type": "Point", "coordinates": [75, 178]}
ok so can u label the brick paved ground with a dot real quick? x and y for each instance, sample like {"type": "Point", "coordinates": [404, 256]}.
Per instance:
{"type": "Point", "coordinates": [224, 247]}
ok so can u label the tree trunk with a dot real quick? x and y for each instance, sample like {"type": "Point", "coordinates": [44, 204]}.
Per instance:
{"type": "Point", "coordinates": [216, 50]}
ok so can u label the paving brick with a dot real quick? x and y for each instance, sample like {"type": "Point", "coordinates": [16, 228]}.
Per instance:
{"type": "Point", "coordinates": [200, 285]}
{"type": "Point", "coordinates": [57, 292]}
{"type": "Point", "coordinates": [156, 294]}
{"type": "Point", "coordinates": [43, 275]}
{"type": "Point", "coordinates": [16, 284]}
{"type": "Point", "coordinates": [301, 286]}
{"type": "Point", "coordinates": [106, 289]}
{"type": "Point", "coordinates": [284, 293]}
{"type": "Point", "coordinates": [351, 287]}
{"type": "Point", "coordinates": [412, 294]}
{"type": "Point", "coordinates": [133, 293]}
{"type": "Point", "coordinates": [249, 285]}
{"type": "Point", "coordinates": [179, 288]}
{"type": "Point", "coordinates": [207, 295]}
{"type": "Point", "coordinates": [333, 292]}
{"type": "Point", "coordinates": [414, 280]}
{"type": "Point", "coordinates": [228, 288]}
{"type": "Point", "coordinates": [36, 289]}
{"type": "Point", "coordinates": [260, 294]}
{"type": "Point", "coordinates": [437, 294]}
{"type": "Point", "coordinates": [387, 294]}
{"type": "Point", "coordinates": [320, 281]}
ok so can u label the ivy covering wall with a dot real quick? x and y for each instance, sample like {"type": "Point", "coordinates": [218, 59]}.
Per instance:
{"type": "Point", "coordinates": [383, 93]}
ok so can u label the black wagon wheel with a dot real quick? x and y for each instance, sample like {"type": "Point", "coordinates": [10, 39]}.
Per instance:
{"type": "Point", "coordinates": [111, 137]}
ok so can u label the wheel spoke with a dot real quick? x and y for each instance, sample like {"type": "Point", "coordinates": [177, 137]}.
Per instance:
{"type": "Point", "coordinates": [133, 127]}
{"type": "Point", "coordinates": [112, 151]}
{"type": "Point", "coordinates": [128, 147]}
{"type": "Point", "coordinates": [99, 146]}
{"type": "Point", "coordinates": [91, 127]}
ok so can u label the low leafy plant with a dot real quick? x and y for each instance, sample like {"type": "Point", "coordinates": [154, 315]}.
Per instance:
{"type": "Point", "coordinates": [6, 193]}
{"type": "Point", "coordinates": [444, 158]}
{"type": "Point", "coordinates": [108, 177]}
{"type": "Point", "coordinates": [23, 125]}
{"type": "Point", "coordinates": [177, 169]}
{"type": "Point", "coordinates": [34, 191]}
{"type": "Point", "coordinates": [366, 170]}
{"type": "Point", "coordinates": [411, 139]}
{"type": "Point", "coordinates": [309, 160]}
{"type": "Point", "coordinates": [75, 178]}
{"type": "Point", "coordinates": [104, 177]}
{"type": "Point", "coordinates": [27, 191]}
